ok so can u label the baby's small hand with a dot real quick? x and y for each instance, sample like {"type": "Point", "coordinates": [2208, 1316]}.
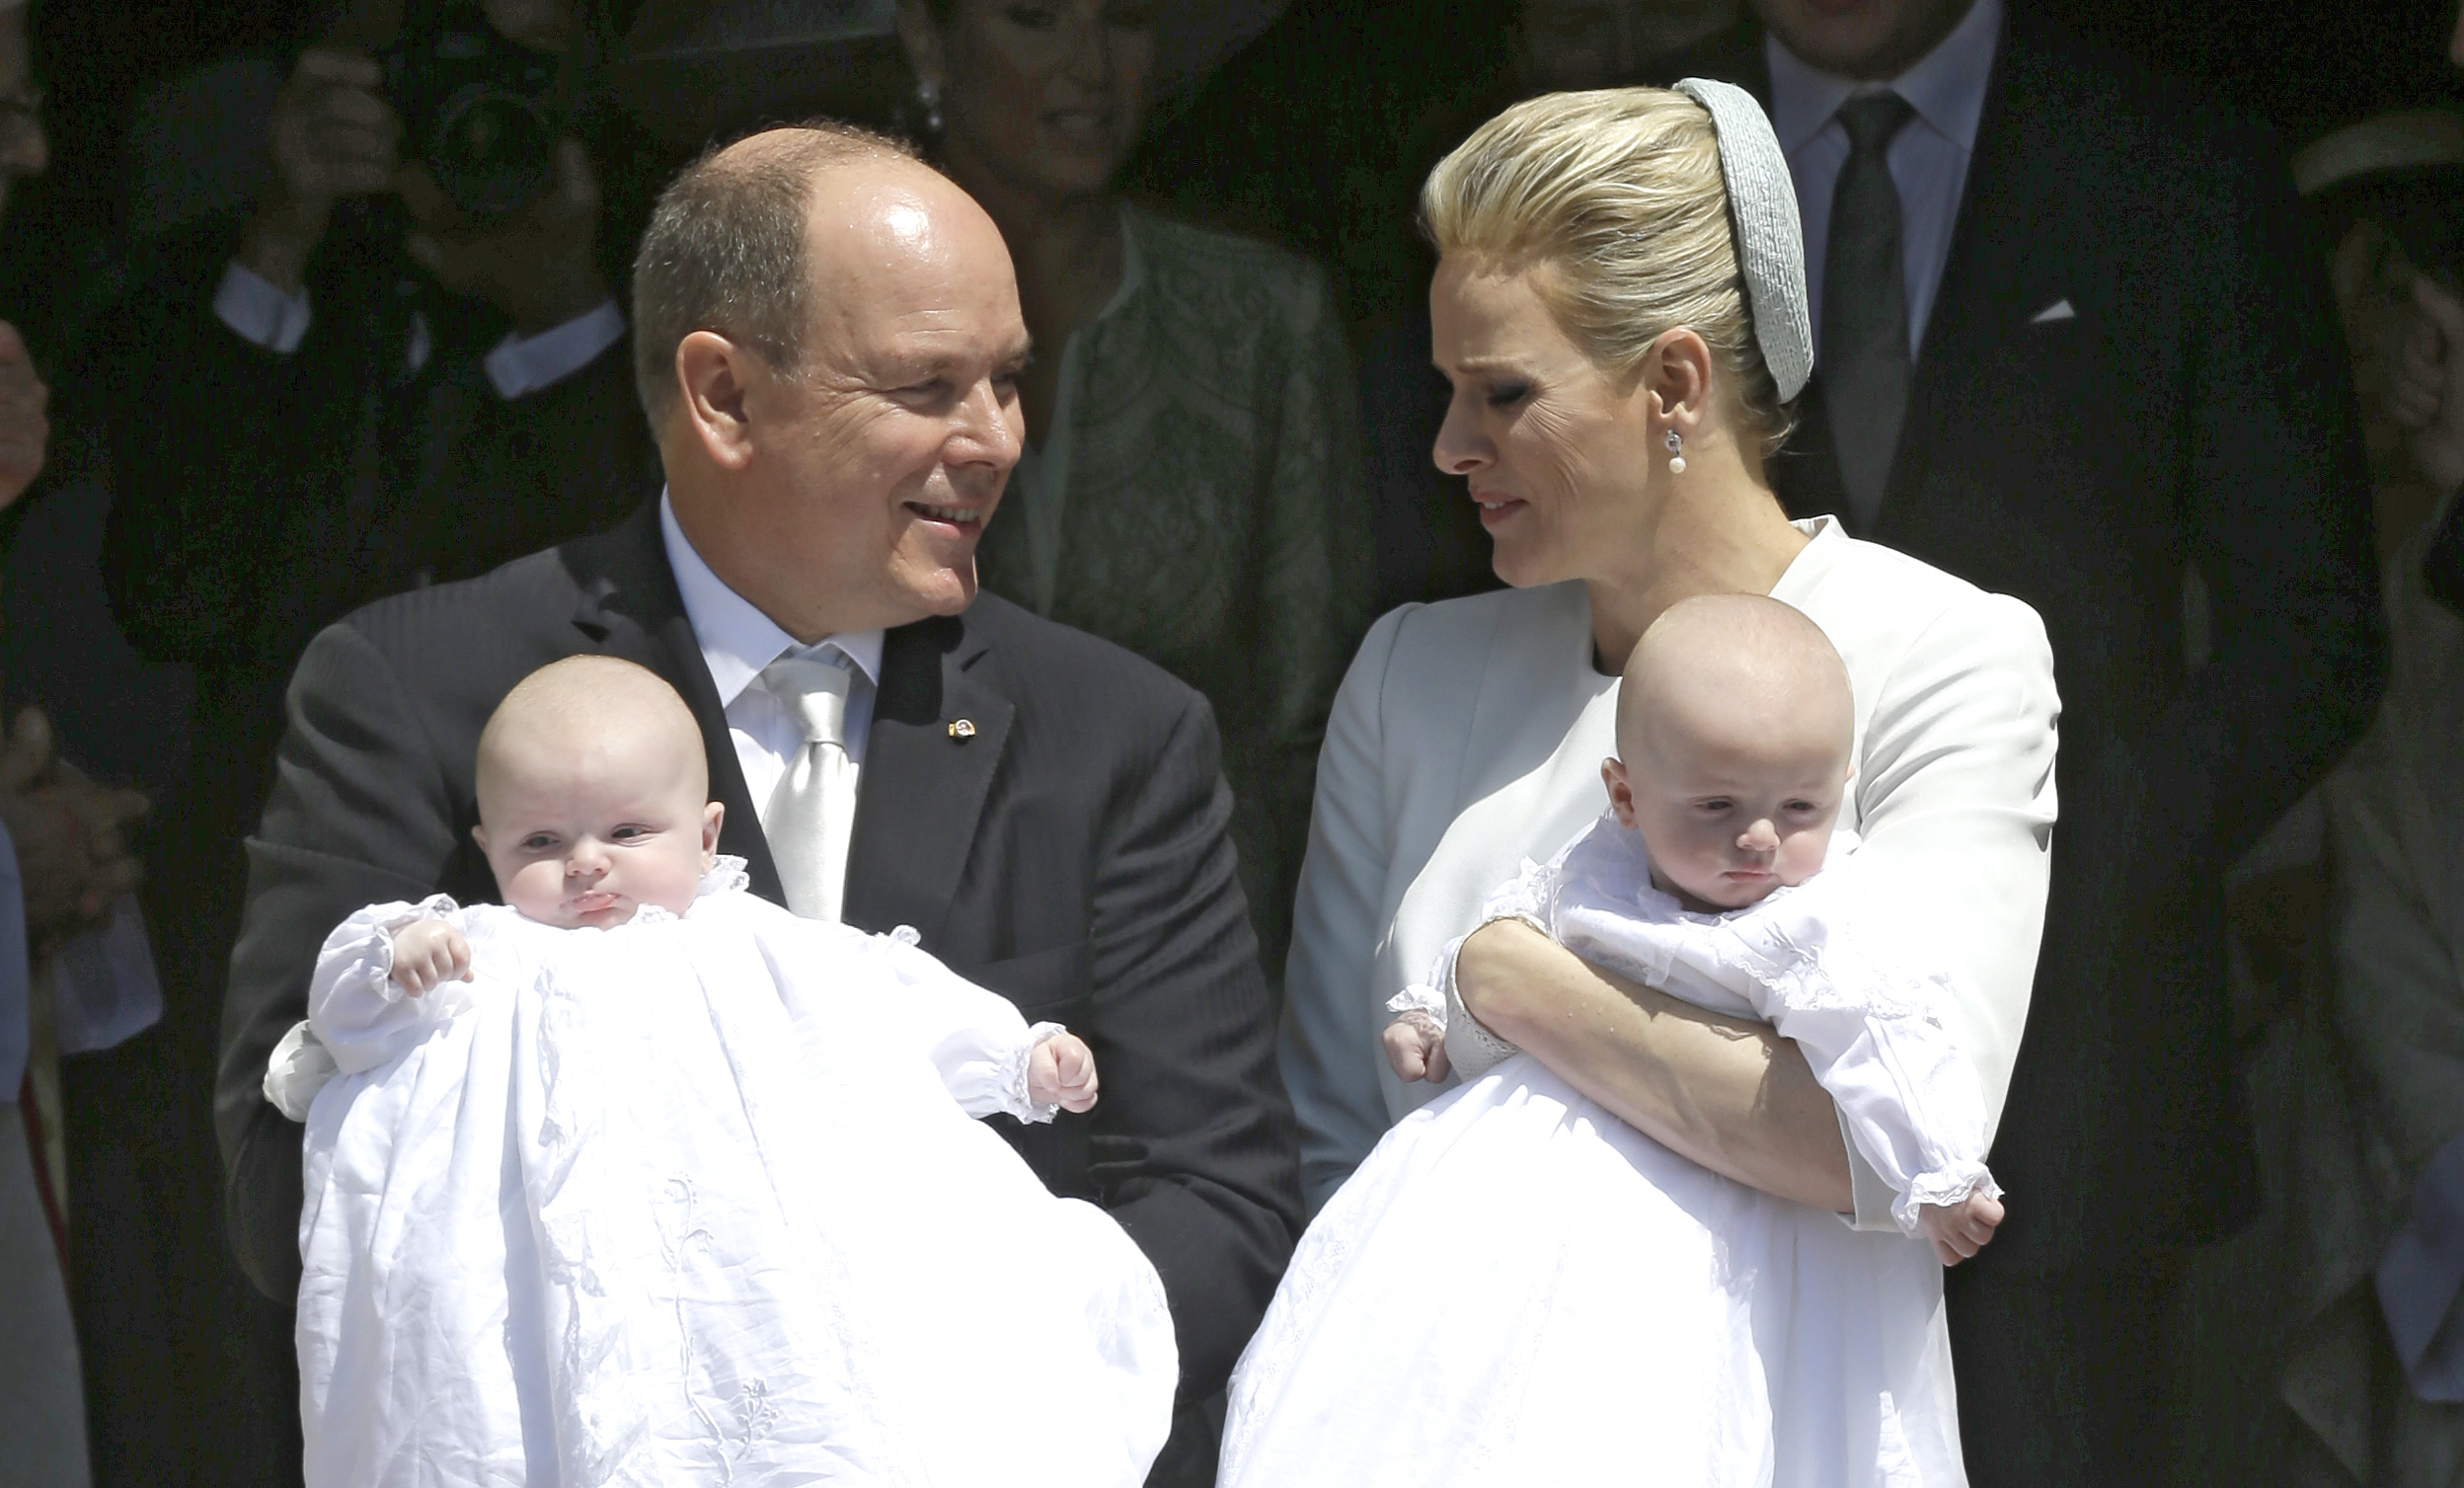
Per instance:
{"type": "Point", "coordinates": [1417, 1047]}
{"type": "Point", "coordinates": [1061, 1072]}
{"type": "Point", "coordinates": [429, 954]}
{"type": "Point", "coordinates": [1959, 1231]}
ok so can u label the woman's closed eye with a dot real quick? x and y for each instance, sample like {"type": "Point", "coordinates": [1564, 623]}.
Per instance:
{"type": "Point", "coordinates": [1507, 394]}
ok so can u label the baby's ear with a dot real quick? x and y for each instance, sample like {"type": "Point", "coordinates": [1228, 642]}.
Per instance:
{"type": "Point", "coordinates": [479, 834]}
{"type": "Point", "coordinates": [1620, 790]}
{"type": "Point", "coordinates": [712, 816]}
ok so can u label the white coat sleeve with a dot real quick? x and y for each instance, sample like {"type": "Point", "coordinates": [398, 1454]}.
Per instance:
{"type": "Point", "coordinates": [1333, 1008]}
{"type": "Point", "coordinates": [1955, 785]}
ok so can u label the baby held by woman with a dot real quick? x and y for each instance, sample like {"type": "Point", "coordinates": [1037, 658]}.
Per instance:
{"type": "Point", "coordinates": [1590, 1275]}
{"type": "Point", "coordinates": [1734, 733]}
{"type": "Point", "coordinates": [640, 1178]}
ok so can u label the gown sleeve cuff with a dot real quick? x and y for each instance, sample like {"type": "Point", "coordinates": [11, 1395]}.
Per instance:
{"type": "Point", "coordinates": [1471, 1048]}
{"type": "Point", "coordinates": [300, 1067]}
{"type": "Point", "coordinates": [1949, 1185]}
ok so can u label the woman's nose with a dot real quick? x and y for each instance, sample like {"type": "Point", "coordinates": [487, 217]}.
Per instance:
{"type": "Point", "coordinates": [1461, 448]}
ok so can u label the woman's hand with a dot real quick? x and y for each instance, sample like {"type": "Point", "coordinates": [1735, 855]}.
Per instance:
{"type": "Point", "coordinates": [1061, 1072]}
{"type": "Point", "coordinates": [427, 955]}
{"type": "Point", "coordinates": [1727, 1093]}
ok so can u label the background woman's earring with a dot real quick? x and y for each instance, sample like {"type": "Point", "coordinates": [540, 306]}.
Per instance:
{"type": "Point", "coordinates": [928, 93]}
{"type": "Point", "coordinates": [1677, 454]}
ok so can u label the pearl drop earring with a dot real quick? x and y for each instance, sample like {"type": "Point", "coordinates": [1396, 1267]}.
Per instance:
{"type": "Point", "coordinates": [1677, 454]}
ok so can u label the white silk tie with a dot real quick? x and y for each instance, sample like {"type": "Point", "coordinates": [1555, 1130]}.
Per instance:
{"type": "Point", "coordinates": [814, 806]}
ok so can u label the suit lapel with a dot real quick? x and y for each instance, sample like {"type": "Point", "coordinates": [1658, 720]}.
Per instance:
{"type": "Point", "coordinates": [630, 608]}
{"type": "Point", "coordinates": [940, 730]}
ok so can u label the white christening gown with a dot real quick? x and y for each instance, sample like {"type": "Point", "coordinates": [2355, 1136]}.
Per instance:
{"type": "Point", "coordinates": [690, 1200]}
{"type": "Point", "coordinates": [1518, 1288]}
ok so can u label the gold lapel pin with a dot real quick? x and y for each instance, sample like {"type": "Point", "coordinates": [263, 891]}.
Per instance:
{"type": "Point", "coordinates": [964, 727]}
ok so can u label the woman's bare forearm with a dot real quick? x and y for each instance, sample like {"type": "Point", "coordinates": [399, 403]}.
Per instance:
{"type": "Point", "coordinates": [1727, 1093]}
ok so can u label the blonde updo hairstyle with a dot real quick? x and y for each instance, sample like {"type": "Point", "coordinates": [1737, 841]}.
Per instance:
{"type": "Point", "coordinates": [1618, 194]}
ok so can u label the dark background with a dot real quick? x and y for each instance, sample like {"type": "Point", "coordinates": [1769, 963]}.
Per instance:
{"type": "Point", "coordinates": [1314, 137]}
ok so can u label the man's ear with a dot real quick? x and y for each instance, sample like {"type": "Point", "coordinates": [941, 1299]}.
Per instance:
{"type": "Point", "coordinates": [714, 375]}
{"type": "Point", "coordinates": [712, 816]}
{"type": "Point", "coordinates": [1620, 790]}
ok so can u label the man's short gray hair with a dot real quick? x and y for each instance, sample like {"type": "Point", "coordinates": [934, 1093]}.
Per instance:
{"type": "Point", "coordinates": [725, 249]}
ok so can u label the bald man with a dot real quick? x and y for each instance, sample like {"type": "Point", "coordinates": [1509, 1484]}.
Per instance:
{"type": "Point", "coordinates": [827, 345]}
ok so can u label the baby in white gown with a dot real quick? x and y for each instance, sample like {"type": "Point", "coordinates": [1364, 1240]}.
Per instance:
{"type": "Point", "coordinates": [640, 1179]}
{"type": "Point", "coordinates": [1667, 1324]}
{"type": "Point", "coordinates": [1733, 744]}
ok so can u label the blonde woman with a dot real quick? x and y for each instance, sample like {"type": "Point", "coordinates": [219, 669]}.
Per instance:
{"type": "Point", "coordinates": [1619, 305]}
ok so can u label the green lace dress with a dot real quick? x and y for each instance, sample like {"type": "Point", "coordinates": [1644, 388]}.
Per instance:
{"type": "Point", "coordinates": [1198, 499]}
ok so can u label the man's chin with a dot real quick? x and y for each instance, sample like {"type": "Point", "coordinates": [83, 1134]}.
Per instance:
{"type": "Point", "coordinates": [938, 590]}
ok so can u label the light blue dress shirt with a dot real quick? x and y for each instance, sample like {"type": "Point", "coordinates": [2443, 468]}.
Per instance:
{"type": "Point", "coordinates": [1928, 159]}
{"type": "Point", "coordinates": [737, 642]}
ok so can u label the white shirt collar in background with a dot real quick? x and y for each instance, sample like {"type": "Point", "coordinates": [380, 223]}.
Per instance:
{"type": "Point", "coordinates": [277, 320]}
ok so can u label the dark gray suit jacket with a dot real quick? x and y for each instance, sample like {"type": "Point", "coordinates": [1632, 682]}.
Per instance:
{"type": "Point", "coordinates": [2193, 411]}
{"type": "Point", "coordinates": [1071, 854]}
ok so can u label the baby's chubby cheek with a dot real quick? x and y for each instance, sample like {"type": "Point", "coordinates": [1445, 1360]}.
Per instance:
{"type": "Point", "coordinates": [1801, 856]}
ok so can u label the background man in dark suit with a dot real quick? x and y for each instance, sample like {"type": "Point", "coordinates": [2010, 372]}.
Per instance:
{"type": "Point", "coordinates": [829, 343]}
{"type": "Point", "coordinates": [2072, 348]}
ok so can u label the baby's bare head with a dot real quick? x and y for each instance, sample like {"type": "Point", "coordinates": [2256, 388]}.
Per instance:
{"type": "Point", "coordinates": [1734, 728]}
{"type": "Point", "coordinates": [594, 794]}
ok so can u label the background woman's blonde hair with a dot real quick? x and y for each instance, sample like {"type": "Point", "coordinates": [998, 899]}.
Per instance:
{"type": "Point", "coordinates": [1619, 193]}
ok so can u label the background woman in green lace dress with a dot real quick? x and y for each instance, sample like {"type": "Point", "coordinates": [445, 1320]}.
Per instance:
{"type": "Point", "coordinates": [1191, 486]}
